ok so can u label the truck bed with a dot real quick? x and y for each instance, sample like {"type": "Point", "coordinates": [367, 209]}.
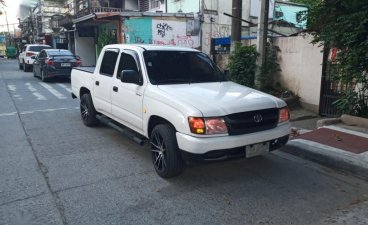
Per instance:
{"type": "Point", "coordinates": [88, 69]}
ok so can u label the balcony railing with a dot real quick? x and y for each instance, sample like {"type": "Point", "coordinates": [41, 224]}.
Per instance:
{"type": "Point", "coordinates": [88, 11]}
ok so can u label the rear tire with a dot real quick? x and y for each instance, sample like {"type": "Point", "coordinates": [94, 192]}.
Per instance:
{"type": "Point", "coordinates": [165, 153]}
{"type": "Point", "coordinates": [88, 111]}
{"type": "Point", "coordinates": [25, 67]}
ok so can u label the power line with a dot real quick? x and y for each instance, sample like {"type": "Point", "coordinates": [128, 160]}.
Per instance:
{"type": "Point", "coordinates": [9, 24]}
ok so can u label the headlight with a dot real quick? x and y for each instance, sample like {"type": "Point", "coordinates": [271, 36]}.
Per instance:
{"type": "Point", "coordinates": [211, 125]}
{"type": "Point", "coordinates": [284, 114]}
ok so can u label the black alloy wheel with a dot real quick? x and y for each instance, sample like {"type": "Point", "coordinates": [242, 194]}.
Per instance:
{"type": "Point", "coordinates": [165, 153]}
{"type": "Point", "coordinates": [88, 111]}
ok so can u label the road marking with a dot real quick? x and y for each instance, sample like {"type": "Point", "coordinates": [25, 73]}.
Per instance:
{"type": "Point", "coordinates": [38, 95]}
{"type": "Point", "coordinates": [43, 110]}
{"type": "Point", "coordinates": [8, 114]}
{"type": "Point", "coordinates": [65, 87]}
{"type": "Point", "coordinates": [34, 111]}
{"type": "Point", "coordinates": [53, 91]}
{"type": "Point", "coordinates": [12, 87]}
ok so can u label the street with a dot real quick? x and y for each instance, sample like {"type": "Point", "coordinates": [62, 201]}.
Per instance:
{"type": "Point", "coordinates": [55, 170]}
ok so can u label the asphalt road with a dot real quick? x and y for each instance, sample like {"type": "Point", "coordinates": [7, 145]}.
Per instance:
{"type": "Point", "coordinates": [54, 170]}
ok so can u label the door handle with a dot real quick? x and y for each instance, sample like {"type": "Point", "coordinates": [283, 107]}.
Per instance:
{"type": "Point", "coordinates": [115, 89]}
{"type": "Point", "coordinates": [97, 83]}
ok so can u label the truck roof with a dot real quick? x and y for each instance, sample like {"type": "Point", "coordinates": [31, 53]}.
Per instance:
{"type": "Point", "coordinates": [153, 47]}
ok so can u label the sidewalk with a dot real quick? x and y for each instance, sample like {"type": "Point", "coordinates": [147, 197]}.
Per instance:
{"type": "Point", "coordinates": [340, 146]}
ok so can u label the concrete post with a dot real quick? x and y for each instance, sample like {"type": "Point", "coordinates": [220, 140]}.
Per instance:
{"type": "Point", "coordinates": [236, 23]}
{"type": "Point", "coordinates": [262, 38]}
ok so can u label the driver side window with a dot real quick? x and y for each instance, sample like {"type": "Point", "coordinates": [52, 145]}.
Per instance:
{"type": "Point", "coordinates": [127, 62]}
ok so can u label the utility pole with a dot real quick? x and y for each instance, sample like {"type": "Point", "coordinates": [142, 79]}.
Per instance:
{"type": "Point", "coordinates": [7, 37]}
{"type": "Point", "coordinates": [262, 38]}
{"type": "Point", "coordinates": [236, 24]}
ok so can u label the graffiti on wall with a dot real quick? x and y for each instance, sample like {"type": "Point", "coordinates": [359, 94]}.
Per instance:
{"type": "Point", "coordinates": [220, 32]}
{"type": "Point", "coordinates": [160, 32]}
{"type": "Point", "coordinates": [162, 28]}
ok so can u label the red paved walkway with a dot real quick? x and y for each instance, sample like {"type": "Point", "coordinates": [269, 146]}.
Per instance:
{"type": "Point", "coordinates": [337, 139]}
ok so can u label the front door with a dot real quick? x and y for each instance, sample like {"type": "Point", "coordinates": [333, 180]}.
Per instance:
{"type": "Point", "coordinates": [127, 98]}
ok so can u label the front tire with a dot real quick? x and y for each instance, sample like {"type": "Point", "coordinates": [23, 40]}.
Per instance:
{"type": "Point", "coordinates": [165, 153]}
{"type": "Point", "coordinates": [43, 76]}
{"type": "Point", "coordinates": [20, 65]}
{"type": "Point", "coordinates": [88, 111]}
{"type": "Point", "coordinates": [34, 72]}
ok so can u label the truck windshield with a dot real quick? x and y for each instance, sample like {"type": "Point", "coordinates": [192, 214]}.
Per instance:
{"type": "Point", "coordinates": [178, 67]}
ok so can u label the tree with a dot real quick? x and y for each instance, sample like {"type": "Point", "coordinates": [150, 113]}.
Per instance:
{"type": "Point", "coordinates": [242, 65]}
{"type": "Point", "coordinates": [2, 3]}
{"type": "Point", "coordinates": [343, 24]}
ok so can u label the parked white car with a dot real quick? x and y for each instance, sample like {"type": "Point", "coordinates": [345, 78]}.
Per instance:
{"type": "Point", "coordinates": [25, 60]}
{"type": "Point", "coordinates": [180, 101]}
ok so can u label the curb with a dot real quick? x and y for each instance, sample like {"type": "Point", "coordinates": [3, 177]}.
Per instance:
{"type": "Point", "coordinates": [332, 157]}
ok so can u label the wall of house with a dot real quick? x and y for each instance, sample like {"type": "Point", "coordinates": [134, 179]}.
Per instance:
{"type": "Point", "coordinates": [84, 48]}
{"type": "Point", "coordinates": [162, 31]}
{"type": "Point", "coordinates": [131, 5]}
{"type": "Point", "coordinates": [186, 6]}
{"type": "Point", "coordinates": [221, 24]}
{"type": "Point", "coordinates": [301, 65]}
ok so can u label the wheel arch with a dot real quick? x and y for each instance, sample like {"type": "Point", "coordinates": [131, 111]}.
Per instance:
{"type": "Point", "coordinates": [84, 90]}
{"type": "Point", "coordinates": [155, 120]}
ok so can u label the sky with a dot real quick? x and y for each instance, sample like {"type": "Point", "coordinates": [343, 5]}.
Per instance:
{"type": "Point", "coordinates": [12, 8]}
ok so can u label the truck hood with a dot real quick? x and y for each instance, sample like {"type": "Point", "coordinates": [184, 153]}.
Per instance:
{"type": "Point", "coordinates": [222, 98]}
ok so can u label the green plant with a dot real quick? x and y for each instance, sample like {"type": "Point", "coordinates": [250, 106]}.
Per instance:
{"type": "Point", "coordinates": [353, 102]}
{"type": "Point", "coordinates": [242, 65]}
{"type": "Point", "coordinates": [270, 68]}
{"type": "Point", "coordinates": [105, 38]}
{"type": "Point", "coordinates": [343, 24]}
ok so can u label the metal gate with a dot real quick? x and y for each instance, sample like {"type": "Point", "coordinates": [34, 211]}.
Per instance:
{"type": "Point", "coordinates": [331, 88]}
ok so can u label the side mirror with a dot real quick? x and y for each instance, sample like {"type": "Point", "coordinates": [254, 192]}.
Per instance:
{"type": "Point", "coordinates": [130, 76]}
{"type": "Point", "coordinates": [33, 57]}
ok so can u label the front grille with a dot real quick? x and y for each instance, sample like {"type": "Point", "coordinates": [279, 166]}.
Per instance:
{"type": "Point", "coordinates": [250, 122]}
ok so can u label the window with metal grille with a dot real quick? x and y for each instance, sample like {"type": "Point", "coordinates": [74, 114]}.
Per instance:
{"type": "Point", "coordinates": [154, 4]}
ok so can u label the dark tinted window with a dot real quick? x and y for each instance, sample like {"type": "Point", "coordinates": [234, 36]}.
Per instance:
{"type": "Point", "coordinates": [61, 52]}
{"type": "Point", "coordinates": [42, 54]}
{"type": "Point", "coordinates": [127, 62]}
{"type": "Point", "coordinates": [37, 48]}
{"type": "Point", "coordinates": [109, 62]}
{"type": "Point", "coordinates": [175, 67]}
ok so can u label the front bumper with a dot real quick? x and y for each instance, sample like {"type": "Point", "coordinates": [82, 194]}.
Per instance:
{"type": "Point", "coordinates": [202, 145]}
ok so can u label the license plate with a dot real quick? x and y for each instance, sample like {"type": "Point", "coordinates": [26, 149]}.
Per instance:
{"type": "Point", "coordinates": [257, 149]}
{"type": "Point", "coordinates": [65, 64]}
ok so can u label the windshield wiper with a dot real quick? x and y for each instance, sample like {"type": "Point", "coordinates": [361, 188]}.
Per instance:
{"type": "Point", "coordinates": [173, 81]}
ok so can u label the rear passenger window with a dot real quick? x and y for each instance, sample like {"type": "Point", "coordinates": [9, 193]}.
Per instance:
{"type": "Point", "coordinates": [109, 62]}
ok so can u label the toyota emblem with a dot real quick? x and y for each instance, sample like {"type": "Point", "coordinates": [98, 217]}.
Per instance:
{"type": "Point", "coordinates": [257, 118]}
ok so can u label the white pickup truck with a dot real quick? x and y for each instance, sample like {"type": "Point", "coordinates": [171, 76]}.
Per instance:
{"type": "Point", "coordinates": [180, 101]}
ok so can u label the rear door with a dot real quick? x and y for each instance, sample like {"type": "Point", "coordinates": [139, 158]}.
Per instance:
{"type": "Point", "coordinates": [127, 98]}
{"type": "Point", "coordinates": [102, 82]}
